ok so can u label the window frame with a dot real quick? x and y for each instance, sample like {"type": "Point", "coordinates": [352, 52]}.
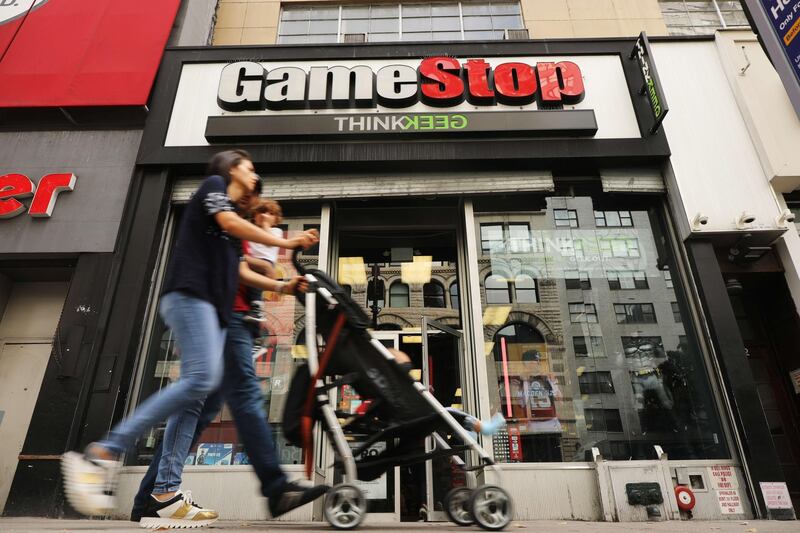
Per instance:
{"type": "Point", "coordinates": [425, 297]}
{"type": "Point", "coordinates": [645, 315]}
{"type": "Point", "coordinates": [399, 283]}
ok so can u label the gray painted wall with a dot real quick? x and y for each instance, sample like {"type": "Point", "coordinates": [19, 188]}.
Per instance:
{"type": "Point", "coordinates": [86, 219]}
{"type": "Point", "coordinates": [193, 23]}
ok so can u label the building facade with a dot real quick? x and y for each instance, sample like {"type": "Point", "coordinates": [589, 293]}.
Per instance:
{"type": "Point", "coordinates": [494, 189]}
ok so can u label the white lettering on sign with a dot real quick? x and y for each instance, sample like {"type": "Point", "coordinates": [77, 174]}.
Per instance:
{"type": "Point", "coordinates": [723, 477]}
{"type": "Point", "coordinates": [730, 502]}
{"type": "Point", "coordinates": [776, 495]}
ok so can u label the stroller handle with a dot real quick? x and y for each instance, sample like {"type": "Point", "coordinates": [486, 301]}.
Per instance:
{"type": "Point", "coordinates": [301, 270]}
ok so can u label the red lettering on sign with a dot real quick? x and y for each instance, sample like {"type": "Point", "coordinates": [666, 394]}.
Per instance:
{"type": "Point", "coordinates": [12, 187]}
{"type": "Point", "coordinates": [515, 83]}
{"type": "Point", "coordinates": [441, 84]}
{"type": "Point", "coordinates": [478, 78]}
{"type": "Point", "coordinates": [46, 193]}
{"type": "Point", "coordinates": [561, 82]}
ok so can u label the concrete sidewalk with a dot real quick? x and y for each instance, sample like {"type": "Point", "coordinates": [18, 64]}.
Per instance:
{"type": "Point", "coordinates": [38, 525]}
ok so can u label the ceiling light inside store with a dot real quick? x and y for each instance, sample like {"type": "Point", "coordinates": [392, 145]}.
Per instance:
{"type": "Point", "coordinates": [352, 271]}
{"type": "Point", "coordinates": [417, 272]}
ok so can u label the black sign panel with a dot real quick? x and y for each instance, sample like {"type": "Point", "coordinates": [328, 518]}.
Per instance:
{"type": "Point", "coordinates": [561, 123]}
{"type": "Point", "coordinates": [651, 88]}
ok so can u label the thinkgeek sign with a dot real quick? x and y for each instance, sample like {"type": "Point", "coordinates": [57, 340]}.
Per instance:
{"type": "Point", "coordinates": [437, 82]}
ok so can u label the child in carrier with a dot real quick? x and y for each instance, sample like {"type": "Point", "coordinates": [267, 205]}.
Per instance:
{"type": "Point", "coordinates": [267, 215]}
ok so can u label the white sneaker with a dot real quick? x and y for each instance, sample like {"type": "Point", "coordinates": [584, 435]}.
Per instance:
{"type": "Point", "coordinates": [89, 483]}
{"type": "Point", "coordinates": [179, 512]}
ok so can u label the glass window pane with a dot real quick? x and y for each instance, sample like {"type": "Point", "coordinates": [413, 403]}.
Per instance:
{"type": "Point", "coordinates": [417, 36]}
{"type": "Point", "coordinates": [279, 352]}
{"type": "Point", "coordinates": [355, 12]}
{"type": "Point", "coordinates": [416, 10]}
{"type": "Point", "coordinates": [388, 11]}
{"type": "Point", "coordinates": [641, 379]}
{"type": "Point", "coordinates": [505, 8]}
{"type": "Point", "coordinates": [355, 26]}
{"type": "Point", "coordinates": [507, 22]}
{"type": "Point", "coordinates": [324, 13]}
{"type": "Point", "coordinates": [383, 37]}
{"type": "Point", "coordinates": [416, 24]}
{"type": "Point", "coordinates": [469, 8]}
{"type": "Point", "coordinates": [440, 10]}
{"type": "Point", "coordinates": [293, 39]}
{"type": "Point", "coordinates": [446, 24]}
{"type": "Point", "coordinates": [478, 23]}
{"type": "Point", "coordinates": [384, 25]}
{"type": "Point", "coordinates": [295, 13]}
{"type": "Point", "coordinates": [294, 27]}
{"type": "Point", "coordinates": [320, 27]}
{"type": "Point", "coordinates": [446, 36]}
{"type": "Point", "coordinates": [479, 35]}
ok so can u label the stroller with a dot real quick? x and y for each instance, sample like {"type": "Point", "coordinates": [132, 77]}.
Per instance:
{"type": "Point", "coordinates": [398, 410]}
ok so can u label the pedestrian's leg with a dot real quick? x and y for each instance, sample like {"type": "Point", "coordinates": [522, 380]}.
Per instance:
{"type": "Point", "coordinates": [196, 328]}
{"type": "Point", "coordinates": [242, 392]}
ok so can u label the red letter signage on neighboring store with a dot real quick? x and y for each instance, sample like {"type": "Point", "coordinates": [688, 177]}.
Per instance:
{"type": "Point", "coordinates": [13, 187]}
{"type": "Point", "coordinates": [515, 83]}
{"type": "Point", "coordinates": [46, 193]}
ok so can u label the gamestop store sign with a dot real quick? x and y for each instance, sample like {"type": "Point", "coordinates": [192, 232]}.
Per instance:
{"type": "Point", "coordinates": [437, 96]}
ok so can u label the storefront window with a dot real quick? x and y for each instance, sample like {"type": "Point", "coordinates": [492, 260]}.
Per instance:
{"type": "Point", "coordinates": [278, 350]}
{"type": "Point", "coordinates": [602, 356]}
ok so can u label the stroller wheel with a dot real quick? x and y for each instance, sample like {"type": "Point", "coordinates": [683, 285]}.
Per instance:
{"type": "Point", "coordinates": [457, 506]}
{"type": "Point", "coordinates": [491, 507]}
{"type": "Point", "coordinates": [345, 507]}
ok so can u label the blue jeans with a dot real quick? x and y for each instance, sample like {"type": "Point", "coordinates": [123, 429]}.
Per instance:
{"type": "Point", "coordinates": [241, 390]}
{"type": "Point", "coordinates": [211, 407]}
{"type": "Point", "coordinates": [198, 334]}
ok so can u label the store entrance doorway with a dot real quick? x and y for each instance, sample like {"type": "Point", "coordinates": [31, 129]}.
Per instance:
{"type": "Point", "coordinates": [770, 328]}
{"type": "Point", "coordinates": [399, 261]}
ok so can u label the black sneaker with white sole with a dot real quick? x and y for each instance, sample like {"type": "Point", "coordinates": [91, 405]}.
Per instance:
{"type": "Point", "coordinates": [179, 512]}
{"type": "Point", "coordinates": [293, 496]}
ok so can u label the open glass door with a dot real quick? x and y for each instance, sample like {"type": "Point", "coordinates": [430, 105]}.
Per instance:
{"type": "Point", "coordinates": [442, 371]}
{"type": "Point", "coordinates": [382, 494]}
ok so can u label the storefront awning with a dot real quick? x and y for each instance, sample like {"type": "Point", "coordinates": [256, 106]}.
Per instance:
{"type": "Point", "coordinates": [310, 187]}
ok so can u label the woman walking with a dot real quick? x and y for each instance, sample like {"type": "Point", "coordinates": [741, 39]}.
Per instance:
{"type": "Point", "coordinates": [197, 302]}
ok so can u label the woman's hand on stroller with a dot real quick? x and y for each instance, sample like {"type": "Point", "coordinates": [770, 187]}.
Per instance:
{"type": "Point", "coordinates": [296, 285]}
{"type": "Point", "coordinates": [305, 240]}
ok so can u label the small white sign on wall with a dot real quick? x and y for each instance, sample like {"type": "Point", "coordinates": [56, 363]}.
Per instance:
{"type": "Point", "coordinates": [723, 477]}
{"type": "Point", "coordinates": [730, 502]}
{"type": "Point", "coordinates": [776, 495]}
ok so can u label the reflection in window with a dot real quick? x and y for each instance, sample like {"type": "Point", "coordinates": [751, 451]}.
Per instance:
{"type": "Point", "coordinates": [376, 291]}
{"type": "Point", "coordinates": [701, 17]}
{"type": "Point", "coordinates": [668, 279]}
{"type": "Point", "coordinates": [581, 312]}
{"type": "Point", "coordinates": [525, 289]}
{"type": "Point", "coordinates": [278, 352]}
{"type": "Point", "coordinates": [596, 383]}
{"type": "Point", "coordinates": [565, 218]}
{"type": "Point", "coordinates": [575, 279]}
{"type": "Point", "coordinates": [454, 303]}
{"type": "Point", "coordinates": [519, 238]}
{"type": "Point", "coordinates": [603, 420]}
{"type": "Point", "coordinates": [626, 280]}
{"type": "Point", "coordinates": [497, 289]}
{"type": "Point", "coordinates": [433, 294]}
{"type": "Point", "coordinates": [635, 313]}
{"type": "Point", "coordinates": [649, 374]}
{"type": "Point", "coordinates": [398, 295]}
{"type": "Point", "coordinates": [613, 219]}
{"type": "Point", "coordinates": [491, 238]}
{"type": "Point", "coordinates": [676, 313]}
{"type": "Point", "coordinates": [619, 247]}
{"type": "Point", "coordinates": [591, 346]}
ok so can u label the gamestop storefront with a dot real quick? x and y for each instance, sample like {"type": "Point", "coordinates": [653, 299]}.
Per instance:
{"type": "Point", "coordinates": [499, 212]}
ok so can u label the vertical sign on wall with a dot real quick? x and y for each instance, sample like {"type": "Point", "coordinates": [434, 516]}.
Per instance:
{"type": "Point", "coordinates": [777, 23]}
{"type": "Point", "coordinates": [651, 87]}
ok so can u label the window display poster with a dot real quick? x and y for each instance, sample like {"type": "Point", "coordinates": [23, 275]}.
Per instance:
{"type": "Point", "coordinates": [214, 453]}
{"type": "Point", "coordinates": [377, 488]}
